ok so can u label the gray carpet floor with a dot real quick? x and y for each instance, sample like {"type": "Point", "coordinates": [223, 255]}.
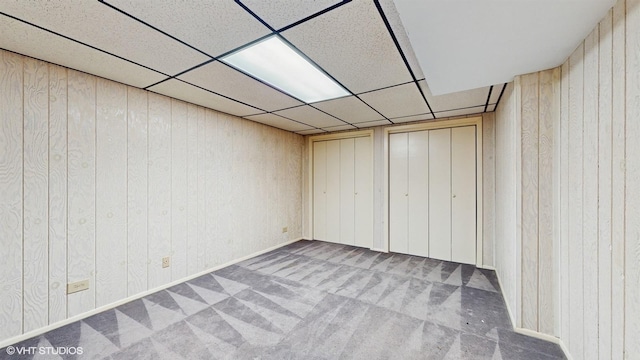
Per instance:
{"type": "Point", "coordinates": [310, 300]}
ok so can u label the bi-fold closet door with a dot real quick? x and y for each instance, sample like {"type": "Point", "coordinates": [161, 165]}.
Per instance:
{"type": "Point", "coordinates": [343, 191]}
{"type": "Point", "coordinates": [432, 193]}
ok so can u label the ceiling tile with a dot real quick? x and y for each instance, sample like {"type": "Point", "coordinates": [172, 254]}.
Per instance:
{"type": "Point", "coordinates": [495, 94]}
{"type": "Point", "coordinates": [390, 11]}
{"type": "Point", "coordinates": [405, 119]}
{"type": "Point", "coordinates": [460, 112]}
{"type": "Point", "coordinates": [373, 123]}
{"type": "Point", "coordinates": [280, 13]}
{"type": "Point", "coordinates": [227, 81]}
{"type": "Point", "coordinates": [29, 40]}
{"type": "Point", "coordinates": [353, 45]}
{"type": "Point", "coordinates": [310, 132]}
{"type": "Point", "coordinates": [340, 128]}
{"type": "Point", "coordinates": [397, 101]}
{"type": "Point", "coordinates": [214, 27]}
{"type": "Point", "coordinates": [98, 25]}
{"type": "Point", "coordinates": [183, 91]}
{"type": "Point", "coordinates": [308, 115]}
{"type": "Point", "coordinates": [350, 109]}
{"type": "Point", "coordinates": [457, 100]}
{"type": "Point", "coordinates": [279, 122]}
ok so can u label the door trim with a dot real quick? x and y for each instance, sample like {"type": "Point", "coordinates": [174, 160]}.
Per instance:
{"type": "Point", "coordinates": [310, 167]}
{"type": "Point", "coordinates": [432, 125]}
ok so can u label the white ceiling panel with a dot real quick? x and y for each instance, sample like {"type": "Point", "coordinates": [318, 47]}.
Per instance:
{"type": "Point", "coordinates": [350, 109]}
{"type": "Point", "coordinates": [100, 26]}
{"type": "Point", "coordinates": [460, 112]}
{"type": "Point", "coordinates": [308, 115]}
{"type": "Point", "coordinates": [279, 122]}
{"type": "Point", "coordinates": [280, 13]}
{"type": "Point", "coordinates": [183, 91]}
{"type": "Point", "coordinates": [227, 81]}
{"type": "Point", "coordinates": [405, 119]}
{"type": "Point", "coordinates": [353, 45]}
{"type": "Point", "coordinates": [373, 123]}
{"type": "Point", "coordinates": [214, 27]}
{"type": "Point", "coordinates": [453, 101]}
{"type": "Point", "coordinates": [397, 101]}
{"type": "Point", "coordinates": [29, 40]}
{"type": "Point", "coordinates": [340, 128]}
{"type": "Point", "coordinates": [311, 132]}
{"type": "Point", "coordinates": [390, 11]}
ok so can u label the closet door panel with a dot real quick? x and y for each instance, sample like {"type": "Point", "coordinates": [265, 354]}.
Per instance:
{"type": "Point", "coordinates": [418, 190]}
{"type": "Point", "coordinates": [333, 191]}
{"type": "Point", "coordinates": [319, 190]}
{"type": "Point", "coordinates": [363, 187]}
{"type": "Point", "coordinates": [398, 192]}
{"type": "Point", "coordinates": [463, 189]}
{"type": "Point", "coordinates": [440, 194]}
{"type": "Point", "coordinates": [347, 190]}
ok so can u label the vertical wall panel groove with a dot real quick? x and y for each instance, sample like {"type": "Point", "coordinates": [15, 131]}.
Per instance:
{"type": "Point", "coordinates": [57, 193]}
{"type": "Point", "coordinates": [192, 186]}
{"type": "Point", "coordinates": [35, 211]}
{"type": "Point", "coordinates": [178, 189]}
{"type": "Point", "coordinates": [565, 294]}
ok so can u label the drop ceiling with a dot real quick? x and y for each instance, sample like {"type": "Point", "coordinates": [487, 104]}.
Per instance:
{"type": "Point", "coordinates": [173, 48]}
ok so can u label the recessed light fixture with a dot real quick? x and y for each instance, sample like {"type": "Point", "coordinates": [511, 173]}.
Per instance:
{"type": "Point", "coordinates": [277, 64]}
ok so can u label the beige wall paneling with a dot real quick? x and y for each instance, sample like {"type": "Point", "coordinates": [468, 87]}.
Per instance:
{"type": "Point", "coordinates": [529, 135]}
{"type": "Point", "coordinates": [576, 314]}
{"type": "Point", "coordinates": [137, 190]}
{"type": "Point", "coordinates": [363, 192]}
{"type": "Point", "coordinates": [380, 186]}
{"type": "Point", "coordinates": [225, 171]}
{"type": "Point", "coordinates": [564, 207]}
{"type": "Point", "coordinates": [179, 165]}
{"type": "Point", "coordinates": [398, 192]}
{"type": "Point", "coordinates": [36, 194]}
{"type": "Point", "coordinates": [418, 190]}
{"type": "Point", "coordinates": [590, 194]}
{"type": "Point", "coordinates": [111, 192]}
{"type": "Point", "coordinates": [488, 188]}
{"type": "Point", "coordinates": [548, 117]}
{"type": "Point", "coordinates": [632, 214]}
{"type": "Point", "coordinates": [463, 194]}
{"type": "Point", "coordinates": [159, 188]}
{"type": "Point", "coordinates": [440, 194]}
{"type": "Point", "coordinates": [333, 191]}
{"type": "Point", "coordinates": [294, 189]}
{"type": "Point", "coordinates": [57, 193]}
{"type": "Point", "coordinates": [319, 190]}
{"type": "Point", "coordinates": [192, 189]}
{"type": "Point", "coordinates": [347, 191]}
{"type": "Point", "coordinates": [618, 178]}
{"type": "Point", "coordinates": [211, 175]}
{"type": "Point", "coordinates": [11, 201]}
{"type": "Point", "coordinates": [82, 187]}
{"type": "Point", "coordinates": [604, 186]}
{"type": "Point", "coordinates": [203, 192]}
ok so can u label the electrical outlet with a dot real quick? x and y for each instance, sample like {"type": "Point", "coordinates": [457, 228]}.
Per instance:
{"type": "Point", "coordinates": [77, 286]}
{"type": "Point", "coordinates": [166, 261]}
{"type": "Point", "coordinates": [285, 229]}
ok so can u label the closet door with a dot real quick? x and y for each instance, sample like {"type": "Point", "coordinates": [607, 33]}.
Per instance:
{"type": "Point", "coordinates": [440, 194]}
{"type": "Point", "coordinates": [320, 190]}
{"type": "Point", "coordinates": [418, 190]}
{"type": "Point", "coordinates": [463, 198]}
{"type": "Point", "coordinates": [363, 188]}
{"type": "Point", "coordinates": [333, 191]}
{"type": "Point", "coordinates": [347, 190]}
{"type": "Point", "coordinates": [398, 192]}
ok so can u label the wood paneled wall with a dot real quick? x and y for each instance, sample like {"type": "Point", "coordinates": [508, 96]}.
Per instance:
{"type": "Point", "coordinates": [577, 234]}
{"type": "Point", "coordinates": [99, 181]}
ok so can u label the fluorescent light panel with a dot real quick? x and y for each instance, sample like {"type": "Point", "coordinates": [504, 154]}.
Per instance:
{"type": "Point", "coordinates": [277, 64]}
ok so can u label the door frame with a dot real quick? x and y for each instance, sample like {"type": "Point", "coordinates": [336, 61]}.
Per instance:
{"type": "Point", "coordinates": [432, 125]}
{"type": "Point", "coordinates": [337, 136]}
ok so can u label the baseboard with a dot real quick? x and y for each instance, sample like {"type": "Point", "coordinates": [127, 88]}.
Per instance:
{"type": "Point", "coordinates": [527, 332]}
{"type": "Point", "coordinates": [42, 330]}
{"type": "Point", "coordinates": [489, 267]}
{"type": "Point", "coordinates": [379, 250]}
